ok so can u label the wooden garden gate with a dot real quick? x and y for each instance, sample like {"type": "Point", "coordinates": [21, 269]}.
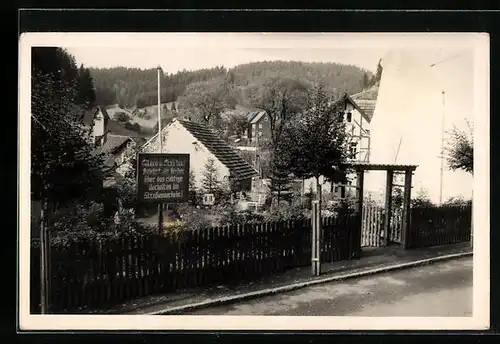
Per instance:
{"type": "Point", "coordinates": [391, 233]}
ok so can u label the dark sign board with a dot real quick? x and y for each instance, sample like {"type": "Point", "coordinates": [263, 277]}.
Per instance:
{"type": "Point", "coordinates": [162, 178]}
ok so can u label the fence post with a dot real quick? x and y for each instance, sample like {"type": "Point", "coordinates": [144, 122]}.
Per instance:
{"type": "Point", "coordinates": [359, 219]}
{"type": "Point", "coordinates": [316, 238]}
{"type": "Point", "coordinates": [44, 264]}
{"type": "Point", "coordinates": [388, 206]}
{"type": "Point", "coordinates": [406, 219]}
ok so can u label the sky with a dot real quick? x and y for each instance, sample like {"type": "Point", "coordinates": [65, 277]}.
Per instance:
{"type": "Point", "coordinates": [191, 51]}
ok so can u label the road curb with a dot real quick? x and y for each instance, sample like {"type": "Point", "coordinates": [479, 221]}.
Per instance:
{"type": "Point", "coordinates": [299, 285]}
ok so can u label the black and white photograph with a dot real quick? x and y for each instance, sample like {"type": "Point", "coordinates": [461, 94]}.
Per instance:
{"type": "Point", "coordinates": [189, 181]}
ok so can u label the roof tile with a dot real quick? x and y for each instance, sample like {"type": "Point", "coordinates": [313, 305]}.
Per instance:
{"type": "Point", "coordinates": [227, 155]}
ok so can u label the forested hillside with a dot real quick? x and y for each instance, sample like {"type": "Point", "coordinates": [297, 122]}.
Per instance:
{"type": "Point", "coordinates": [132, 87]}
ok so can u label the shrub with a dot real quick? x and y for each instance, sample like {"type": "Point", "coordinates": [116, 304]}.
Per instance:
{"type": "Point", "coordinates": [132, 126]}
{"type": "Point", "coordinates": [121, 117]}
{"type": "Point", "coordinates": [457, 201]}
{"type": "Point", "coordinates": [89, 221]}
{"type": "Point", "coordinates": [230, 215]}
{"type": "Point", "coordinates": [293, 210]}
{"type": "Point", "coordinates": [193, 218]}
{"type": "Point", "coordinates": [422, 200]}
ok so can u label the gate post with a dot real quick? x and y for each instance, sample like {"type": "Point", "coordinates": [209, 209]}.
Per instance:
{"type": "Point", "coordinates": [316, 238]}
{"type": "Point", "coordinates": [359, 209]}
{"type": "Point", "coordinates": [388, 206]}
{"type": "Point", "coordinates": [405, 232]}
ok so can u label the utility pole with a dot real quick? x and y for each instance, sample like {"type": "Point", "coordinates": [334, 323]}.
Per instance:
{"type": "Point", "coordinates": [442, 153]}
{"type": "Point", "coordinates": [160, 150]}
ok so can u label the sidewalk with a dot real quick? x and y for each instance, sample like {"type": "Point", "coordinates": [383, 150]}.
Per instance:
{"type": "Point", "coordinates": [376, 260]}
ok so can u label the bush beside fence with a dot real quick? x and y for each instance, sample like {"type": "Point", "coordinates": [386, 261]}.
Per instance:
{"type": "Point", "coordinates": [99, 274]}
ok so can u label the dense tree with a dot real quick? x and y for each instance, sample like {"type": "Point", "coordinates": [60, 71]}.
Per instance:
{"type": "Point", "coordinates": [315, 145]}
{"type": "Point", "coordinates": [282, 99]}
{"type": "Point", "coordinates": [375, 79]}
{"type": "Point", "coordinates": [366, 80]}
{"type": "Point", "coordinates": [63, 164]}
{"type": "Point", "coordinates": [105, 96]}
{"type": "Point", "coordinates": [206, 101]}
{"type": "Point", "coordinates": [342, 78]}
{"type": "Point", "coordinates": [237, 124]}
{"type": "Point", "coordinates": [460, 150]}
{"type": "Point", "coordinates": [210, 181]}
{"type": "Point", "coordinates": [378, 73]}
{"type": "Point", "coordinates": [85, 96]}
{"type": "Point", "coordinates": [136, 87]}
{"type": "Point", "coordinates": [281, 180]}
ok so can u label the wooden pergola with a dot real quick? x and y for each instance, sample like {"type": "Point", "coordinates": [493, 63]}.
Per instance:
{"type": "Point", "coordinates": [407, 170]}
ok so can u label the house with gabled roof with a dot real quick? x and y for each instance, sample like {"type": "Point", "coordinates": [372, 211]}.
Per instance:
{"type": "Point", "coordinates": [367, 100]}
{"type": "Point", "coordinates": [110, 138]}
{"type": "Point", "coordinates": [357, 124]}
{"type": "Point", "coordinates": [357, 127]}
{"type": "Point", "coordinates": [259, 126]}
{"type": "Point", "coordinates": [202, 144]}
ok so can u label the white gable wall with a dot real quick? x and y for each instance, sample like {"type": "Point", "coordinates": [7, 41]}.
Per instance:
{"type": "Point", "coordinates": [356, 128]}
{"type": "Point", "coordinates": [99, 128]}
{"type": "Point", "coordinates": [176, 139]}
{"type": "Point", "coordinates": [409, 113]}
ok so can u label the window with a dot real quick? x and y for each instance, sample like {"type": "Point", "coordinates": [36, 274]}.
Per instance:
{"type": "Point", "coordinates": [349, 117]}
{"type": "Point", "coordinates": [342, 192]}
{"type": "Point", "coordinates": [260, 125]}
{"type": "Point", "coordinates": [266, 119]}
{"type": "Point", "coordinates": [353, 152]}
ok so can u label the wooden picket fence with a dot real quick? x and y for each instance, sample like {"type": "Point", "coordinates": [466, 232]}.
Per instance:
{"type": "Point", "coordinates": [98, 275]}
{"type": "Point", "coordinates": [440, 226]}
{"type": "Point", "coordinates": [373, 223]}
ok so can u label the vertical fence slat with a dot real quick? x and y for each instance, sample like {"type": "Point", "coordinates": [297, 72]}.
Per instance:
{"type": "Point", "coordinates": [95, 274]}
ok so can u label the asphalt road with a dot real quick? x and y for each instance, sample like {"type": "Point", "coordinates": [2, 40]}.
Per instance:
{"type": "Point", "coordinates": [440, 289]}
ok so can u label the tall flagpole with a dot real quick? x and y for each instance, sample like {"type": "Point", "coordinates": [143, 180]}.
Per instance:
{"type": "Point", "coordinates": [160, 148]}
